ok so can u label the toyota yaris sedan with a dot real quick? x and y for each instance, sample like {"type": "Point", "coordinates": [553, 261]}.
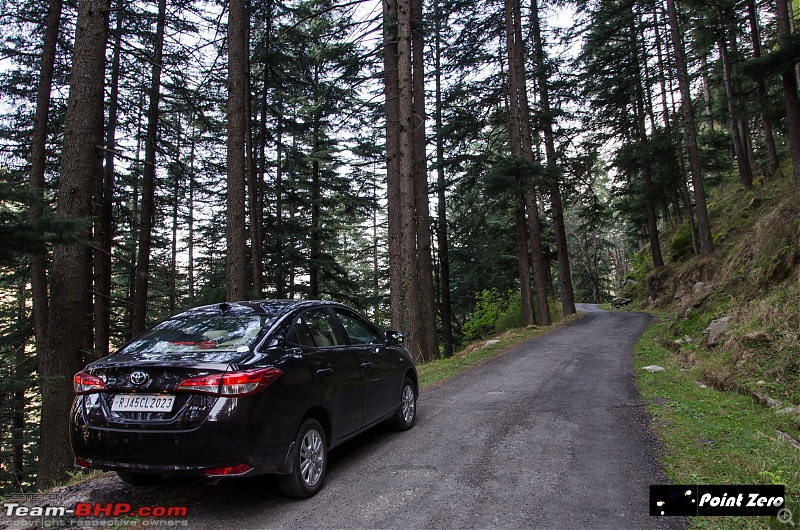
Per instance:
{"type": "Point", "coordinates": [245, 388]}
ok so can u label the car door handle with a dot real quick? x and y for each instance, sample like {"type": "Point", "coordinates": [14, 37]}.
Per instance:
{"type": "Point", "coordinates": [366, 366]}
{"type": "Point", "coordinates": [322, 372]}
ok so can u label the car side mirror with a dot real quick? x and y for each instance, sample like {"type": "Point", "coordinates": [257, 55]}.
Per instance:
{"type": "Point", "coordinates": [395, 337]}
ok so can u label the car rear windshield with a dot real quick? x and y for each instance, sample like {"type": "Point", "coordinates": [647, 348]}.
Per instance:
{"type": "Point", "coordinates": [202, 334]}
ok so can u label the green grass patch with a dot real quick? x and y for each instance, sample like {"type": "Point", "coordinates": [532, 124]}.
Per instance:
{"type": "Point", "coordinates": [479, 352]}
{"type": "Point", "coordinates": [715, 437]}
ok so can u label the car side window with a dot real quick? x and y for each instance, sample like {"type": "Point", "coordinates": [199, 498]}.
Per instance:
{"type": "Point", "coordinates": [315, 329]}
{"type": "Point", "coordinates": [359, 331]}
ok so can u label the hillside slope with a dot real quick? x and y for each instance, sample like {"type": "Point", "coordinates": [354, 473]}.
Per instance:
{"type": "Point", "coordinates": [737, 313]}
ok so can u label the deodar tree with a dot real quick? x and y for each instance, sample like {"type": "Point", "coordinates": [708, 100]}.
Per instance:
{"type": "Point", "coordinates": [70, 276]}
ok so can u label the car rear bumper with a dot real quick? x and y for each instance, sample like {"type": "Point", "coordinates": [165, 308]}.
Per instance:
{"type": "Point", "coordinates": [214, 444]}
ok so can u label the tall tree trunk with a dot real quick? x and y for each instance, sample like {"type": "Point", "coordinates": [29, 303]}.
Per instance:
{"type": "Point", "coordinates": [647, 170]}
{"type": "Point", "coordinates": [176, 189]}
{"type": "Point", "coordinates": [254, 195]}
{"type": "Point", "coordinates": [542, 280]}
{"type": "Point", "coordinates": [409, 286]}
{"type": "Point", "coordinates": [707, 93]}
{"type": "Point", "coordinates": [190, 217]}
{"type": "Point", "coordinates": [291, 242]}
{"type": "Point", "coordinates": [564, 273]}
{"type": "Point", "coordinates": [404, 242]}
{"type": "Point", "coordinates": [663, 66]}
{"type": "Point", "coordinates": [104, 194]}
{"type": "Point", "coordinates": [81, 164]}
{"type": "Point", "coordinates": [149, 180]}
{"type": "Point", "coordinates": [789, 88]}
{"type": "Point", "coordinates": [38, 164]}
{"type": "Point", "coordinates": [130, 307]}
{"type": "Point", "coordinates": [427, 307]}
{"type": "Point", "coordinates": [540, 264]}
{"type": "Point", "coordinates": [769, 137]}
{"type": "Point", "coordinates": [747, 144]}
{"type": "Point", "coordinates": [397, 274]}
{"type": "Point", "coordinates": [792, 9]}
{"type": "Point", "coordinates": [280, 267]}
{"type": "Point", "coordinates": [262, 152]}
{"type": "Point", "coordinates": [725, 41]}
{"type": "Point", "coordinates": [316, 244]}
{"type": "Point", "coordinates": [443, 244]}
{"type": "Point", "coordinates": [704, 227]}
{"type": "Point", "coordinates": [515, 136]}
{"type": "Point", "coordinates": [18, 406]}
{"type": "Point", "coordinates": [236, 267]}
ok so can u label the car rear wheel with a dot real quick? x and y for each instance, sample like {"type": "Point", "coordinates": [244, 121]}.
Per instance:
{"type": "Point", "coordinates": [138, 479]}
{"type": "Point", "coordinates": [310, 460]}
{"type": "Point", "coordinates": [407, 412]}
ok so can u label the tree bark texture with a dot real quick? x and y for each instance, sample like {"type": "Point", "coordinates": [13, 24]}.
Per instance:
{"type": "Point", "coordinates": [427, 304]}
{"type": "Point", "coordinates": [81, 165]}
{"type": "Point", "coordinates": [393, 178]}
{"type": "Point", "coordinates": [515, 133]}
{"type": "Point", "coordinates": [236, 265]}
{"type": "Point", "coordinates": [38, 164]}
{"type": "Point", "coordinates": [405, 244]}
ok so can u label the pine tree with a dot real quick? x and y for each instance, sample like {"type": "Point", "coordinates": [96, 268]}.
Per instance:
{"type": "Point", "coordinates": [690, 130]}
{"type": "Point", "coordinates": [238, 24]}
{"type": "Point", "coordinates": [81, 164]}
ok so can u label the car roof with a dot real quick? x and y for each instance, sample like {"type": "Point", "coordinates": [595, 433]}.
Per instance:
{"type": "Point", "coordinates": [273, 307]}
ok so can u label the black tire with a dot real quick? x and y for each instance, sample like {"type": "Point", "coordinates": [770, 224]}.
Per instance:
{"type": "Point", "coordinates": [310, 460]}
{"type": "Point", "coordinates": [407, 411]}
{"type": "Point", "coordinates": [138, 479]}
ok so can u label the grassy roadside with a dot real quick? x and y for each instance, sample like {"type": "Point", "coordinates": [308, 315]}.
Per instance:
{"type": "Point", "coordinates": [481, 351]}
{"type": "Point", "coordinates": [715, 437]}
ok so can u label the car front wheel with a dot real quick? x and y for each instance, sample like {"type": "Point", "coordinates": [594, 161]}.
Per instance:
{"type": "Point", "coordinates": [310, 459]}
{"type": "Point", "coordinates": [407, 412]}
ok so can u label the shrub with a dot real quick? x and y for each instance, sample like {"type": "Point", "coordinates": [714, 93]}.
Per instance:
{"type": "Point", "coordinates": [680, 245]}
{"type": "Point", "coordinates": [494, 312]}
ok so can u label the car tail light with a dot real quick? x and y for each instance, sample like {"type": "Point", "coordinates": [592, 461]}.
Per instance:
{"type": "Point", "coordinates": [80, 462]}
{"type": "Point", "coordinates": [84, 383]}
{"type": "Point", "coordinates": [231, 384]}
{"type": "Point", "coordinates": [238, 469]}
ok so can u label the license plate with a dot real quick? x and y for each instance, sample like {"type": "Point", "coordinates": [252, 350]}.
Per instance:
{"type": "Point", "coordinates": [142, 403]}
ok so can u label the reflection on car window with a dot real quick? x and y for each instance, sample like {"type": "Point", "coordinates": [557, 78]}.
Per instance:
{"type": "Point", "coordinates": [315, 329]}
{"type": "Point", "coordinates": [187, 334]}
{"type": "Point", "coordinates": [358, 331]}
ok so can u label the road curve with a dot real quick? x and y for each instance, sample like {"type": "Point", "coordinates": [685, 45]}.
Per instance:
{"type": "Point", "coordinates": [549, 435]}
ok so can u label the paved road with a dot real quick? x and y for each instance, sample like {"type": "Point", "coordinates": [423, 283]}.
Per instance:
{"type": "Point", "coordinates": [548, 435]}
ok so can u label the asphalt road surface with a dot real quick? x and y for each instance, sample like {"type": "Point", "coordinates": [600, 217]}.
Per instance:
{"type": "Point", "coordinates": [549, 435]}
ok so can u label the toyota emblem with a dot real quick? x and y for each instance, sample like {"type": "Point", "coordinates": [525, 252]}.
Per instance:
{"type": "Point", "coordinates": [139, 377]}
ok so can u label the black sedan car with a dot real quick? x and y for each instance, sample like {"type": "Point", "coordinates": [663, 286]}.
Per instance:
{"type": "Point", "coordinates": [236, 389]}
